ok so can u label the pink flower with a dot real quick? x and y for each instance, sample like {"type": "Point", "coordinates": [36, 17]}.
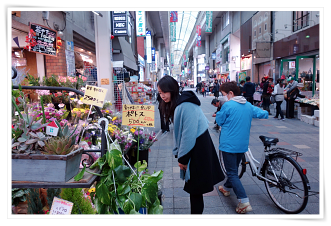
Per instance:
{"type": "Point", "coordinates": [61, 105]}
{"type": "Point", "coordinates": [47, 113]}
{"type": "Point", "coordinates": [50, 105]}
{"type": "Point", "coordinates": [48, 117]}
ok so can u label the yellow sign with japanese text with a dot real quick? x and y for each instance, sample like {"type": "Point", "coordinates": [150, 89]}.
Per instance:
{"type": "Point", "coordinates": [138, 115]}
{"type": "Point", "coordinates": [94, 95]}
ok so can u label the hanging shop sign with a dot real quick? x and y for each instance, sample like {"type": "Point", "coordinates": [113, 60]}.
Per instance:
{"type": "Point", "coordinates": [173, 32]}
{"type": "Point", "coordinates": [213, 56]}
{"type": "Point", "coordinates": [140, 23]}
{"type": "Point", "coordinates": [186, 54]}
{"type": "Point", "coordinates": [148, 47]}
{"type": "Point", "coordinates": [153, 54]}
{"type": "Point", "coordinates": [173, 16]}
{"type": "Point", "coordinates": [138, 115]}
{"type": "Point", "coordinates": [209, 21]}
{"type": "Point", "coordinates": [42, 40]}
{"type": "Point", "coordinates": [219, 54]}
{"type": "Point", "coordinates": [120, 23]}
{"type": "Point", "coordinates": [198, 35]}
{"type": "Point", "coordinates": [263, 50]}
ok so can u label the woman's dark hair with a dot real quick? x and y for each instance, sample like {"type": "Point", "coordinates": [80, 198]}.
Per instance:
{"type": "Point", "coordinates": [280, 82]}
{"type": "Point", "coordinates": [168, 84]}
{"type": "Point", "coordinates": [230, 86]}
{"type": "Point", "coordinates": [263, 79]}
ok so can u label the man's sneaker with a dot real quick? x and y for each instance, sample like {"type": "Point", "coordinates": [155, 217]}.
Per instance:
{"type": "Point", "coordinates": [244, 207]}
{"type": "Point", "coordinates": [224, 192]}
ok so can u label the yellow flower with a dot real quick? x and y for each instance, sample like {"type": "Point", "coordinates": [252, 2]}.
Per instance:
{"type": "Point", "coordinates": [114, 118]}
{"type": "Point", "coordinates": [71, 98]}
{"type": "Point", "coordinates": [132, 130]}
{"type": "Point", "coordinates": [91, 190]}
{"type": "Point", "coordinates": [81, 98]}
{"type": "Point", "coordinates": [107, 111]}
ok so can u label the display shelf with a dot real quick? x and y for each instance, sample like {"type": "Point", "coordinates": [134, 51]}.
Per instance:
{"type": "Point", "coordinates": [86, 182]}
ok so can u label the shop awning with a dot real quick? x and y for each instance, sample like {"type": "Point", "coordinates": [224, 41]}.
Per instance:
{"type": "Point", "coordinates": [126, 54]}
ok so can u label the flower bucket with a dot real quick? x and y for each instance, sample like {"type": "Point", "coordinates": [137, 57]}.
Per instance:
{"type": "Point", "coordinates": [143, 155]}
{"type": "Point", "coordinates": [46, 168]}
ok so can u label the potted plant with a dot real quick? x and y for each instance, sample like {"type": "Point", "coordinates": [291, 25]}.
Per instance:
{"type": "Point", "coordinates": [122, 190]}
{"type": "Point", "coordinates": [37, 156]}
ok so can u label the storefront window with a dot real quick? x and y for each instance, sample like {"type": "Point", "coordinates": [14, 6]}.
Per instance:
{"type": "Point", "coordinates": [225, 52]}
{"type": "Point", "coordinates": [305, 74]}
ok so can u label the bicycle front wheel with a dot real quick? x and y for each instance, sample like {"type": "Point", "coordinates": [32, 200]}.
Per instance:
{"type": "Point", "coordinates": [289, 192]}
{"type": "Point", "coordinates": [241, 168]}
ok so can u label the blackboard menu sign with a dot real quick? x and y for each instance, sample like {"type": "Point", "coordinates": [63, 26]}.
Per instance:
{"type": "Point", "coordinates": [45, 40]}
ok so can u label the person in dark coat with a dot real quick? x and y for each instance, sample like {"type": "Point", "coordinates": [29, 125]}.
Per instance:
{"type": "Point", "coordinates": [216, 89]}
{"type": "Point", "coordinates": [249, 90]}
{"type": "Point", "coordinates": [197, 158]}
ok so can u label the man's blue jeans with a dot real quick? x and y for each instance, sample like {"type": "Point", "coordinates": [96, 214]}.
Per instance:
{"type": "Point", "coordinates": [231, 162]}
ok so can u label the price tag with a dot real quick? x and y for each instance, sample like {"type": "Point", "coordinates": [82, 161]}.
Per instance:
{"type": "Point", "coordinates": [61, 207]}
{"type": "Point", "coordinates": [104, 81]}
{"type": "Point", "coordinates": [94, 95]}
{"type": "Point", "coordinates": [138, 115]}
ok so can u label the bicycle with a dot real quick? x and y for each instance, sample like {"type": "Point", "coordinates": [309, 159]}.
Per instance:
{"type": "Point", "coordinates": [286, 182]}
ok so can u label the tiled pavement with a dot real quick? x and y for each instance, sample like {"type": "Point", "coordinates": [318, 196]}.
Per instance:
{"type": "Point", "coordinates": [292, 134]}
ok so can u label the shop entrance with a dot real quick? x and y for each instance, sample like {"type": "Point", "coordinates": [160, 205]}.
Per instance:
{"type": "Point", "coordinates": [304, 69]}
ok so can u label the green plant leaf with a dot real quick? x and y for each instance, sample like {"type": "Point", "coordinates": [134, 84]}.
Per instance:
{"type": "Point", "coordinates": [127, 206]}
{"type": "Point", "coordinates": [102, 193]}
{"type": "Point", "coordinates": [65, 130]}
{"type": "Point", "coordinates": [137, 199]}
{"type": "Point", "coordinates": [100, 162]}
{"type": "Point", "coordinates": [114, 158]}
{"type": "Point", "coordinates": [122, 173]}
{"type": "Point", "coordinates": [60, 134]}
{"type": "Point", "coordinates": [155, 177]}
{"type": "Point", "coordinates": [36, 126]}
{"type": "Point", "coordinates": [140, 166]}
{"type": "Point", "coordinates": [21, 139]}
{"type": "Point", "coordinates": [134, 212]}
{"type": "Point", "coordinates": [155, 210]}
{"type": "Point", "coordinates": [123, 189]}
{"type": "Point", "coordinates": [80, 175]}
{"type": "Point", "coordinates": [149, 191]}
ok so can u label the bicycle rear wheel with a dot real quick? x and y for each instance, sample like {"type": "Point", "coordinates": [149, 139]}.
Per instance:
{"type": "Point", "coordinates": [241, 168]}
{"type": "Point", "coordinates": [291, 192]}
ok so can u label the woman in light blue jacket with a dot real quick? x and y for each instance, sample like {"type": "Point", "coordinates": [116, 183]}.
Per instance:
{"type": "Point", "coordinates": [235, 119]}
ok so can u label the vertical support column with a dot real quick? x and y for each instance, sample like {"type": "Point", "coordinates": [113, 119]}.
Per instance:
{"type": "Point", "coordinates": [103, 52]}
{"type": "Point", "coordinates": [207, 53]}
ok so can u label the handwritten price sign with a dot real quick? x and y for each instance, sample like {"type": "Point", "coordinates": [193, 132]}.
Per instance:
{"type": "Point", "coordinates": [138, 115]}
{"type": "Point", "coordinates": [61, 207]}
{"type": "Point", "coordinates": [94, 96]}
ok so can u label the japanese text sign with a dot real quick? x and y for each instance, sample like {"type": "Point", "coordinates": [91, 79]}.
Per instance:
{"type": "Point", "coordinates": [61, 207]}
{"type": "Point", "coordinates": [138, 115]}
{"type": "Point", "coordinates": [173, 16]}
{"type": "Point", "coordinates": [94, 95]}
{"type": "Point", "coordinates": [42, 40]}
{"type": "Point", "coordinates": [140, 23]}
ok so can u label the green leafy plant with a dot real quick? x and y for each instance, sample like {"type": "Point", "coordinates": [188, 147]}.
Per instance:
{"type": "Point", "coordinates": [32, 80]}
{"type": "Point", "coordinates": [18, 195]}
{"type": "Point", "coordinates": [58, 146]}
{"type": "Point", "coordinates": [29, 143]}
{"type": "Point", "coordinates": [120, 187]}
{"type": "Point", "coordinates": [81, 204]}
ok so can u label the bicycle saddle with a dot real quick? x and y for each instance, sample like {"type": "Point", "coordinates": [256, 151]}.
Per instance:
{"type": "Point", "coordinates": [267, 141]}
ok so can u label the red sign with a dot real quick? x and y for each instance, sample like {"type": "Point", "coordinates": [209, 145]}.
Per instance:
{"type": "Point", "coordinates": [173, 16]}
{"type": "Point", "coordinates": [199, 29]}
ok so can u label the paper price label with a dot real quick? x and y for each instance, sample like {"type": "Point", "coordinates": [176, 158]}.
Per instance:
{"type": "Point", "coordinates": [94, 95]}
{"type": "Point", "coordinates": [61, 207]}
{"type": "Point", "coordinates": [138, 115]}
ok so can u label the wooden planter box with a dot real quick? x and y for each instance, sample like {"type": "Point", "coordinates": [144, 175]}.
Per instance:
{"type": "Point", "coordinates": [46, 168]}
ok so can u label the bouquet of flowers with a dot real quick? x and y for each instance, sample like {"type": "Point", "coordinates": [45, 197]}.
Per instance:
{"type": "Point", "coordinates": [145, 137]}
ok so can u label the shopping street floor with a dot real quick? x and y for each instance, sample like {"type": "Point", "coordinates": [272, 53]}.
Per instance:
{"type": "Point", "coordinates": [292, 134]}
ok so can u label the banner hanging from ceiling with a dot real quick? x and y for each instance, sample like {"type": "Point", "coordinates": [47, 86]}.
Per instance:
{"type": "Point", "coordinates": [198, 35]}
{"type": "Point", "coordinates": [209, 21]}
{"type": "Point", "coordinates": [173, 16]}
{"type": "Point", "coordinates": [173, 32]}
{"type": "Point", "coordinates": [140, 23]}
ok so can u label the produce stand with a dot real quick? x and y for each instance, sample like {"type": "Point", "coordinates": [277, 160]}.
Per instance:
{"type": "Point", "coordinates": [310, 104]}
{"type": "Point", "coordinates": [88, 179]}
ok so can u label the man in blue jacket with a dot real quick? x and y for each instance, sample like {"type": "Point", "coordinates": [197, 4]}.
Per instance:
{"type": "Point", "coordinates": [235, 119]}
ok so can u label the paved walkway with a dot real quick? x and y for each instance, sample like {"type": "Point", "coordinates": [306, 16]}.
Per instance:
{"type": "Point", "coordinates": [292, 134]}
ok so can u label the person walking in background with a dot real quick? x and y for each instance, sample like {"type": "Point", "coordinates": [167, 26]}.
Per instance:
{"type": "Point", "coordinates": [216, 89]}
{"type": "Point", "coordinates": [279, 97]}
{"type": "Point", "coordinates": [235, 119]}
{"type": "Point", "coordinates": [249, 90]}
{"type": "Point", "coordinates": [266, 94]}
{"type": "Point", "coordinates": [292, 84]}
{"type": "Point", "coordinates": [203, 89]}
{"type": "Point", "coordinates": [241, 87]}
{"type": "Point", "coordinates": [263, 80]}
{"type": "Point", "coordinates": [197, 158]}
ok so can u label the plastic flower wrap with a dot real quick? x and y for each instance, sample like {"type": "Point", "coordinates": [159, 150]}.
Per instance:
{"type": "Point", "coordinates": [145, 136]}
